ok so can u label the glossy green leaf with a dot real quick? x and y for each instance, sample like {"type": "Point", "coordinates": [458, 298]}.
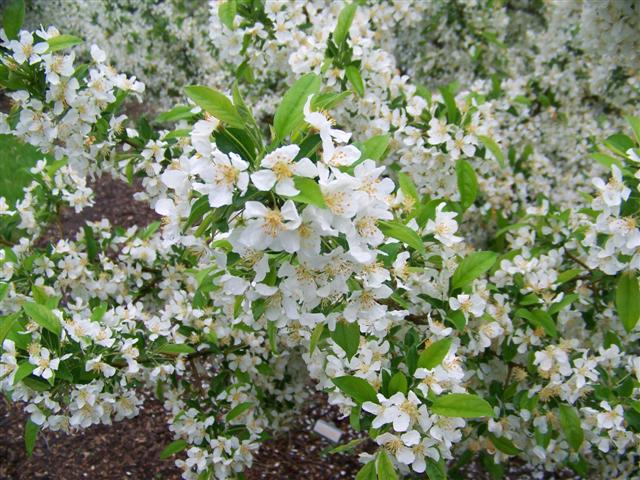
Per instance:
{"type": "Point", "coordinates": [473, 266]}
{"type": "Point", "coordinates": [375, 147]}
{"type": "Point", "coordinates": [347, 336]}
{"type": "Point", "coordinates": [174, 447]}
{"type": "Point", "coordinates": [407, 186]}
{"type": "Point", "coordinates": [398, 383]}
{"type": "Point", "coordinates": [403, 233]}
{"type": "Point", "coordinates": [385, 468]}
{"type": "Point", "coordinates": [504, 445]}
{"type": "Point", "coordinates": [310, 192]}
{"type": "Point", "coordinates": [30, 436]}
{"type": "Point", "coordinates": [238, 410]}
{"type": "Point", "coordinates": [12, 18]}
{"type": "Point", "coordinates": [216, 103]}
{"type": "Point", "coordinates": [63, 41]}
{"type": "Point", "coordinates": [227, 12]}
{"type": "Point", "coordinates": [289, 114]}
{"type": "Point", "coordinates": [367, 472]}
{"type": "Point", "coordinates": [628, 300]}
{"type": "Point", "coordinates": [315, 337]}
{"type": "Point", "coordinates": [434, 354]}
{"type": "Point", "coordinates": [493, 147]}
{"type": "Point", "coordinates": [461, 405]}
{"type": "Point", "coordinates": [355, 79]}
{"type": "Point", "coordinates": [43, 316]}
{"type": "Point", "coordinates": [357, 388]}
{"type": "Point", "coordinates": [179, 112]}
{"type": "Point", "coordinates": [467, 183]}
{"type": "Point", "coordinates": [345, 19]}
{"type": "Point", "coordinates": [175, 349]}
{"type": "Point", "coordinates": [571, 427]}
{"type": "Point", "coordinates": [23, 371]}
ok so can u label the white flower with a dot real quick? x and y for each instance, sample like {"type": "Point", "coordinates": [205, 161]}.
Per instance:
{"type": "Point", "coordinates": [438, 131]}
{"type": "Point", "coordinates": [611, 418]}
{"type": "Point", "coordinates": [473, 304]}
{"type": "Point", "coordinates": [280, 169]}
{"type": "Point", "coordinates": [399, 445]}
{"type": "Point", "coordinates": [271, 228]}
{"type": "Point", "coordinates": [45, 365]}
{"type": "Point", "coordinates": [399, 410]}
{"type": "Point", "coordinates": [324, 126]}
{"type": "Point", "coordinates": [614, 191]}
{"type": "Point", "coordinates": [97, 54]}
{"type": "Point", "coordinates": [444, 227]}
{"type": "Point", "coordinates": [201, 135]}
{"type": "Point", "coordinates": [24, 49]}
{"type": "Point", "coordinates": [222, 176]}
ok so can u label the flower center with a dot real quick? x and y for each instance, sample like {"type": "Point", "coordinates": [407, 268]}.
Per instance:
{"type": "Point", "coordinates": [273, 223]}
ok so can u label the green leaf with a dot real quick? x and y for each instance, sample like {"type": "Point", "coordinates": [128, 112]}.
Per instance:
{"type": "Point", "coordinates": [606, 160]}
{"type": "Point", "coordinates": [628, 300]}
{"type": "Point", "coordinates": [4, 289]}
{"type": "Point", "coordinates": [403, 233]}
{"type": "Point", "coordinates": [30, 435]}
{"type": "Point", "coordinates": [436, 470]}
{"type": "Point", "coordinates": [347, 446]}
{"type": "Point", "coordinates": [568, 275]}
{"type": "Point", "coordinates": [63, 41]}
{"type": "Point", "coordinates": [493, 147]}
{"type": "Point", "coordinates": [570, 423]}
{"type": "Point", "coordinates": [23, 371]}
{"type": "Point", "coordinates": [238, 410]}
{"type": "Point", "coordinates": [179, 112]}
{"type": "Point", "coordinates": [357, 388]}
{"type": "Point", "coordinates": [315, 337]}
{"type": "Point", "coordinates": [385, 468]}
{"type": "Point", "coordinates": [433, 355]}
{"type": "Point", "coordinates": [634, 123]}
{"type": "Point", "coordinates": [461, 405]}
{"type": "Point", "coordinates": [619, 143]}
{"type": "Point", "coordinates": [398, 383]}
{"type": "Point", "coordinates": [6, 325]}
{"type": "Point", "coordinates": [328, 100]}
{"type": "Point", "coordinates": [310, 192]}
{"type": "Point", "coordinates": [450, 101]}
{"type": "Point", "coordinates": [407, 186]}
{"type": "Point", "coordinates": [216, 103]}
{"type": "Point", "coordinates": [374, 147]}
{"type": "Point", "coordinates": [173, 448]}
{"type": "Point", "coordinates": [355, 79]}
{"type": "Point", "coordinates": [562, 304]}
{"type": "Point", "coordinates": [90, 241]}
{"type": "Point", "coordinates": [345, 19]}
{"type": "Point", "coordinates": [347, 336]}
{"type": "Point", "coordinates": [289, 114]}
{"type": "Point", "coordinates": [504, 445]}
{"type": "Point", "coordinates": [472, 267]}
{"type": "Point", "coordinates": [539, 318]}
{"type": "Point", "coordinates": [367, 472]}
{"type": "Point", "coordinates": [175, 349]}
{"type": "Point", "coordinates": [12, 18]}
{"type": "Point", "coordinates": [547, 323]}
{"type": "Point", "coordinates": [227, 12]}
{"type": "Point", "coordinates": [272, 333]}
{"type": "Point", "coordinates": [467, 183]}
{"type": "Point", "coordinates": [43, 316]}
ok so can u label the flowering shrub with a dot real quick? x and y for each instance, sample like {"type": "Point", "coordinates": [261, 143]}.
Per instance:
{"type": "Point", "coordinates": [406, 250]}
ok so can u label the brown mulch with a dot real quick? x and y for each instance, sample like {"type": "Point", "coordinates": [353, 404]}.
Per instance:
{"type": "Point", "coordinates": [130, 449]}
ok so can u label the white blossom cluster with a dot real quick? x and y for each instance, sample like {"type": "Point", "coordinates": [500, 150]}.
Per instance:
{"type": "Point", "coordinates": [456, 268]}
{"type": "Point", "coordinates": [164, 44]}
